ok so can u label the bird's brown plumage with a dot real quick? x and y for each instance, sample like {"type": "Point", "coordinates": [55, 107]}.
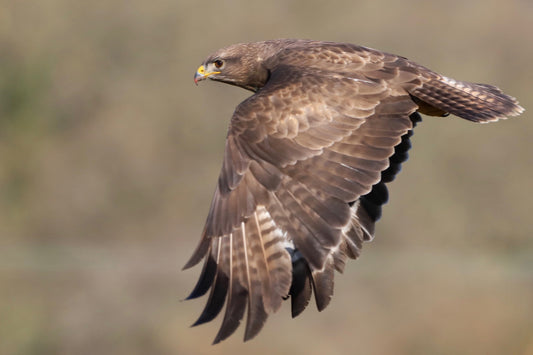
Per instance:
{"type": "Point", "coordinates": [306, 160]}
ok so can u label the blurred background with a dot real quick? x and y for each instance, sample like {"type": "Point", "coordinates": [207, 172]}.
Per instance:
{"type": "Point", "coordinates": [109, 155]}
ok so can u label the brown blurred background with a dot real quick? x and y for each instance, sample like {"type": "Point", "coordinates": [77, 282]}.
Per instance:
{"type": "Point", "coordinates": [109, 156]}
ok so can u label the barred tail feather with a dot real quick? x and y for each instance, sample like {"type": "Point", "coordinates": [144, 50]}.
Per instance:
{"type": "Point", "coordinates": [474, 102]}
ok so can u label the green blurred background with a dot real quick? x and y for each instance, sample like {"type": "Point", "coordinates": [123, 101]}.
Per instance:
{"type": "Point", "coordinates": [109, 156]}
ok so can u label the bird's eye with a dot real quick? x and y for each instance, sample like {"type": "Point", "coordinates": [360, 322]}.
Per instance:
{"type": "Point", "coordinates": [218, 63]}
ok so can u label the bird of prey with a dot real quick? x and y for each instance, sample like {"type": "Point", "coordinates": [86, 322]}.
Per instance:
{"type": "Point", "coordinates": [306, 162]}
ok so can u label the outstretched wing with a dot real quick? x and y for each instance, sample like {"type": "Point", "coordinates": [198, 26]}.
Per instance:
{"type": "Point", "coordinates": [299, 155]}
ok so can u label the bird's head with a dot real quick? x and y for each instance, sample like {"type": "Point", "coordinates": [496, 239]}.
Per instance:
{"type": "Point", "coordinates": [208, 69]}
{"type": "Point", "coordinates": [243, 65]}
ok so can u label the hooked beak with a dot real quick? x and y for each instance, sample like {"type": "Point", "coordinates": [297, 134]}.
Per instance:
{"type": "Point", "coordinates": [201, 74]}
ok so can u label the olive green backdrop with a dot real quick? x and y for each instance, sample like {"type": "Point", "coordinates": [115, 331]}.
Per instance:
{"type": "Point", "coordinates": [109, 155]}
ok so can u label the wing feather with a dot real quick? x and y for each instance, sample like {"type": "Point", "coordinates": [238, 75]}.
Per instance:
{"type": "Point", "coordinates": [217, 296]}
{"type": "Point", "coordinates": [301, 289]}
{"type": "Point", "coordinates": [237, 294]}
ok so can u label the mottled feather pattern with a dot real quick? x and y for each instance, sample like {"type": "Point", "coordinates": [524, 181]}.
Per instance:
{"type": "Point", "coordinates": [306, 163]}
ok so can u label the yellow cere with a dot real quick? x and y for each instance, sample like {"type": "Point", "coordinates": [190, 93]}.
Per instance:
{"type": "Point", "coordinates": [201, 71]}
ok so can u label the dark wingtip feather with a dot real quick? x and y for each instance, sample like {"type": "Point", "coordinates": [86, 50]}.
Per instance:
{"type": "Point", "coordinates": [199, 253]}
{"type": "Point", "coordinates": [323, 286]}
{"type": "Point", "coordinates": [206, 279]}
{"type": "Point", "coordinates": [234, 312]}
{"type": "Point", "coordinates": [255, 321]}
{"type": "Point", "coordinates": [216, 299]}
{"type": "Point", "coordinates": [300, 291]}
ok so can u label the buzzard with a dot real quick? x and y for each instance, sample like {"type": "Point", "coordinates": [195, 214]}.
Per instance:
{"type": "Point", "coordinates": [306, 163]}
